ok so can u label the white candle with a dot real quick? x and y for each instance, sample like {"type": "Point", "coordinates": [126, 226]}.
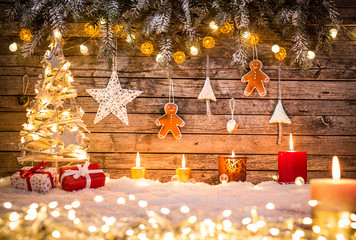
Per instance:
{"type": "Point", "coordinates": [334, 194]}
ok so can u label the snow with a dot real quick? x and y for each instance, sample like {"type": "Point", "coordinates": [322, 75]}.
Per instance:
{"type": "Point", "coordinates": [204, 201]}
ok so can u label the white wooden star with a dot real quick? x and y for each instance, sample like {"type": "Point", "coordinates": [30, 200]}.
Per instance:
{"type": "Point", "coordinates": [69, 137]}
{"type": "Point", "coordinates": [113, 99]}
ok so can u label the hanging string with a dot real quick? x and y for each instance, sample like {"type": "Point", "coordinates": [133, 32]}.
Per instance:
{"type": "Point", "coordinates": [279, 84]}
{"type": "Point", "coordinates": [253, 53]}
{"type": "Point", "coordinates": [171, 90]}
{"type": "Point", "coordinates": [24, 89]}
{"type": "Point", "coordinates": [207, 66]}
{"type": "Point", "coordinates": [255, 48]}
{"type": "Point", "coordinates": [232, 107]}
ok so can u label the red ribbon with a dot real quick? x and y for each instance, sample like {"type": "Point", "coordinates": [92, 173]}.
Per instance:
{"type": "Point", "coordinates": [38, 169]}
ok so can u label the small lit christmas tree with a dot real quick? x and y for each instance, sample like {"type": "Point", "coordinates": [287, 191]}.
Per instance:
{"type": "Point", "coordinates": [54, 128]}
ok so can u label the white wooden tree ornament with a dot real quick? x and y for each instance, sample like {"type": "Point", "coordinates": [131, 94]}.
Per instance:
{"type": "Point", "coordinates": [279, 115]}
{"type": "Point", "coordinates": [207, 92]}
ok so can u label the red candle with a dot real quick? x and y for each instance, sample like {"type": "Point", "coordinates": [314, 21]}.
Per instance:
{"type": "Point", "coordinates": [292, 164]}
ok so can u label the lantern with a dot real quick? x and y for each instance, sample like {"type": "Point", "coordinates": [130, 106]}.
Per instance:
{"type": "Point", "coordinates": [92, 30]}
{"type": "Point", "coordinates": [226, 28]}
{"type": "Point", "coordinates": [208, 42]}
{"type": "Point", "coordinates": [281, 54]}
{"type": "Point", "coordinates": [147, 48]}
{"type": "Point", "coordinates": [179, 57]}
{"type": "Point", "coordinates": [253, 39]}
{"type": "Point", "coordinates": [25, 35]}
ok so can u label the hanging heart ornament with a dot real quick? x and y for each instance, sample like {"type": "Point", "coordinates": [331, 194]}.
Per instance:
{"type": "Point", "coordinates": [231, 125]}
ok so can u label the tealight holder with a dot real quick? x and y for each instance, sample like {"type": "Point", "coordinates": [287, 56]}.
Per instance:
{"type": "Point", "coordinates": [234, 167]}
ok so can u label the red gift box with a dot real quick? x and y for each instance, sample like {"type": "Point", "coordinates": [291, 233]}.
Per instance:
{"type": "Point", "coordinates": [78, 177]}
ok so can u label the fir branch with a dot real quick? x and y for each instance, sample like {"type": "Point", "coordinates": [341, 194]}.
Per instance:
{"type": "Point", "coordinates": [166, 50]}
{"type": "Point", "coordinates": [240, 55]}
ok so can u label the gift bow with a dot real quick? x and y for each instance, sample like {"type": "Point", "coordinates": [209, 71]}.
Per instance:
{"type": "Point", "coordinates": [83, 171]}
{"type": "Point", "coordinates": [28, 173]}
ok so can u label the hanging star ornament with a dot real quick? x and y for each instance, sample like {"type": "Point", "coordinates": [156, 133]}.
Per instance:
{"type": "Point", "coordinates": [113, 99]}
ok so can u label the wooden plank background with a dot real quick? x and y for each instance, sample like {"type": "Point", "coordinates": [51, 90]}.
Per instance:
{"type": "Point", "coordinates": [321, 105]}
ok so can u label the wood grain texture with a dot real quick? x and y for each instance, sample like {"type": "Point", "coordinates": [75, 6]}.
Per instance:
{"type": "Point", "coordinates": [321, 104]}
{"type": "Point", "coordinates": [200, 124]}
{"type": "Point", "coordinates": [244, 106]}
{"type": "Point", "coordinates": [190, 88]}
{"type": "Point", "coordinates": [204, 143]}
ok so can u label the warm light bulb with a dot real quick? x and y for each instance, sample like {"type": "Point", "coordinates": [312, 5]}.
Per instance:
{"type": "Point", "coordinates": [102, 21]}
{"type": "Point", "coordinates": [13, 47]}
{"type": "Point", "coordinates": [336, 168]}
{"type": "Point", "coordinates": [159, 57]}
{"type": "Point", "coordinates": [311, 55]}
{"type": "Point", "coordinates": [333, 32]}
{"type": "Point", "coordinates": [291, 147]}
{"type": "Point", "coordinates": [57, 34]}
{"type": "Point", "coordinates": [213, 25]}
{"type": "Point", "coordinates": [193, 50]}
{"type": "Point", "coordinates": [138, 165]}
{"type": "Point", "coordinates": [246, 35]}
{"type": "Point", "coordinates": [233, 153]}
{"type": "Point", "coordinates": [70, 79]}
{"type": "Point", "coordinates": [83, 49]}
{"type": "Point", "coordinates": [130, 38]}
{"type": "Point", "coordinates": [183, 161]}
{"type": "Point", "coordinates": [275, 48]}
{"type": "Point", "coordinates": [66, 65]}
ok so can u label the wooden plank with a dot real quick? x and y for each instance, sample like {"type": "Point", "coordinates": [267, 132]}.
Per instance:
{"type": "Point", "coordinates": [194, 143]}
{"type": "Point", "coordinates": [194, 161]}
{"type": "Point", "coordinates": [291, 89]}
{"type": "Point", "coordinates": [146, 67]}
{"type": "Point", "coordinates": [244, 106]}
{"type": "Point", "coordinates": [216, 124]}
{"type": "Point", "coordinates": [210, 177]}
{"type": "Point", "coordinates": [222, 45]}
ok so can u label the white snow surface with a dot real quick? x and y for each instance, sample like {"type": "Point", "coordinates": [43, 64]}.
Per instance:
{"type": "Point", "coordinates": [204, 201]}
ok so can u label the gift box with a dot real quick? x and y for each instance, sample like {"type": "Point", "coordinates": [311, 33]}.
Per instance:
{"type": "Point", "coordinates": [40, 178]}
{"type": "Point", "coordinates": [78, 177]}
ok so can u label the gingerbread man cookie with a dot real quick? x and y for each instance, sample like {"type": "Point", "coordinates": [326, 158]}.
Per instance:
{"type": "Point", "coordinates": [255, 79]}
{"type": "Point", "coordinates": [170, 122]}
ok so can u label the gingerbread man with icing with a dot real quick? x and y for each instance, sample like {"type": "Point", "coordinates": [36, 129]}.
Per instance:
{"type": "Point", "coordinates": [255, 78]}
{"type": "Point", "coordinates": [170, 122]}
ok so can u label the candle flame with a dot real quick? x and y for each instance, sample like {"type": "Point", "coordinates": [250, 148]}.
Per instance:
{"type": "Point", "coordinates": [233, 153]}
{"type": "Point", "coordinates": [336, 168]}
{"type": "Point", "coordinates": [183, 161]}
{"type": "Point", "coordinates": [138, 160]}
{"type": "Point", "coordinates": [291, 147]}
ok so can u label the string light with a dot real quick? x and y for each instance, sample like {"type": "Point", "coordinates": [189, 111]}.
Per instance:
{"type": "Point", "coordinates": [130, 38]}
{"type": "Point", "coordinates": [13, 47]}
{"type": "Point", "coordinates": [213, 25]}
{"type": "Point", "coordinates": [246, 35]}
{"type": "Point", "coordinates": [159, 58]}
{"type": "Point", "coordinates": [193, 50]}
{"type": "Point", "coordinates": [57, 34]}
{"type": "Point", "coordinates": [83, 49]}
{"type": "Point", "coordinates": [275, 48]}
{"type": "Point", "coordinates": [311, 55]}
{"type": "Point", "coordinates": [333, 32]}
